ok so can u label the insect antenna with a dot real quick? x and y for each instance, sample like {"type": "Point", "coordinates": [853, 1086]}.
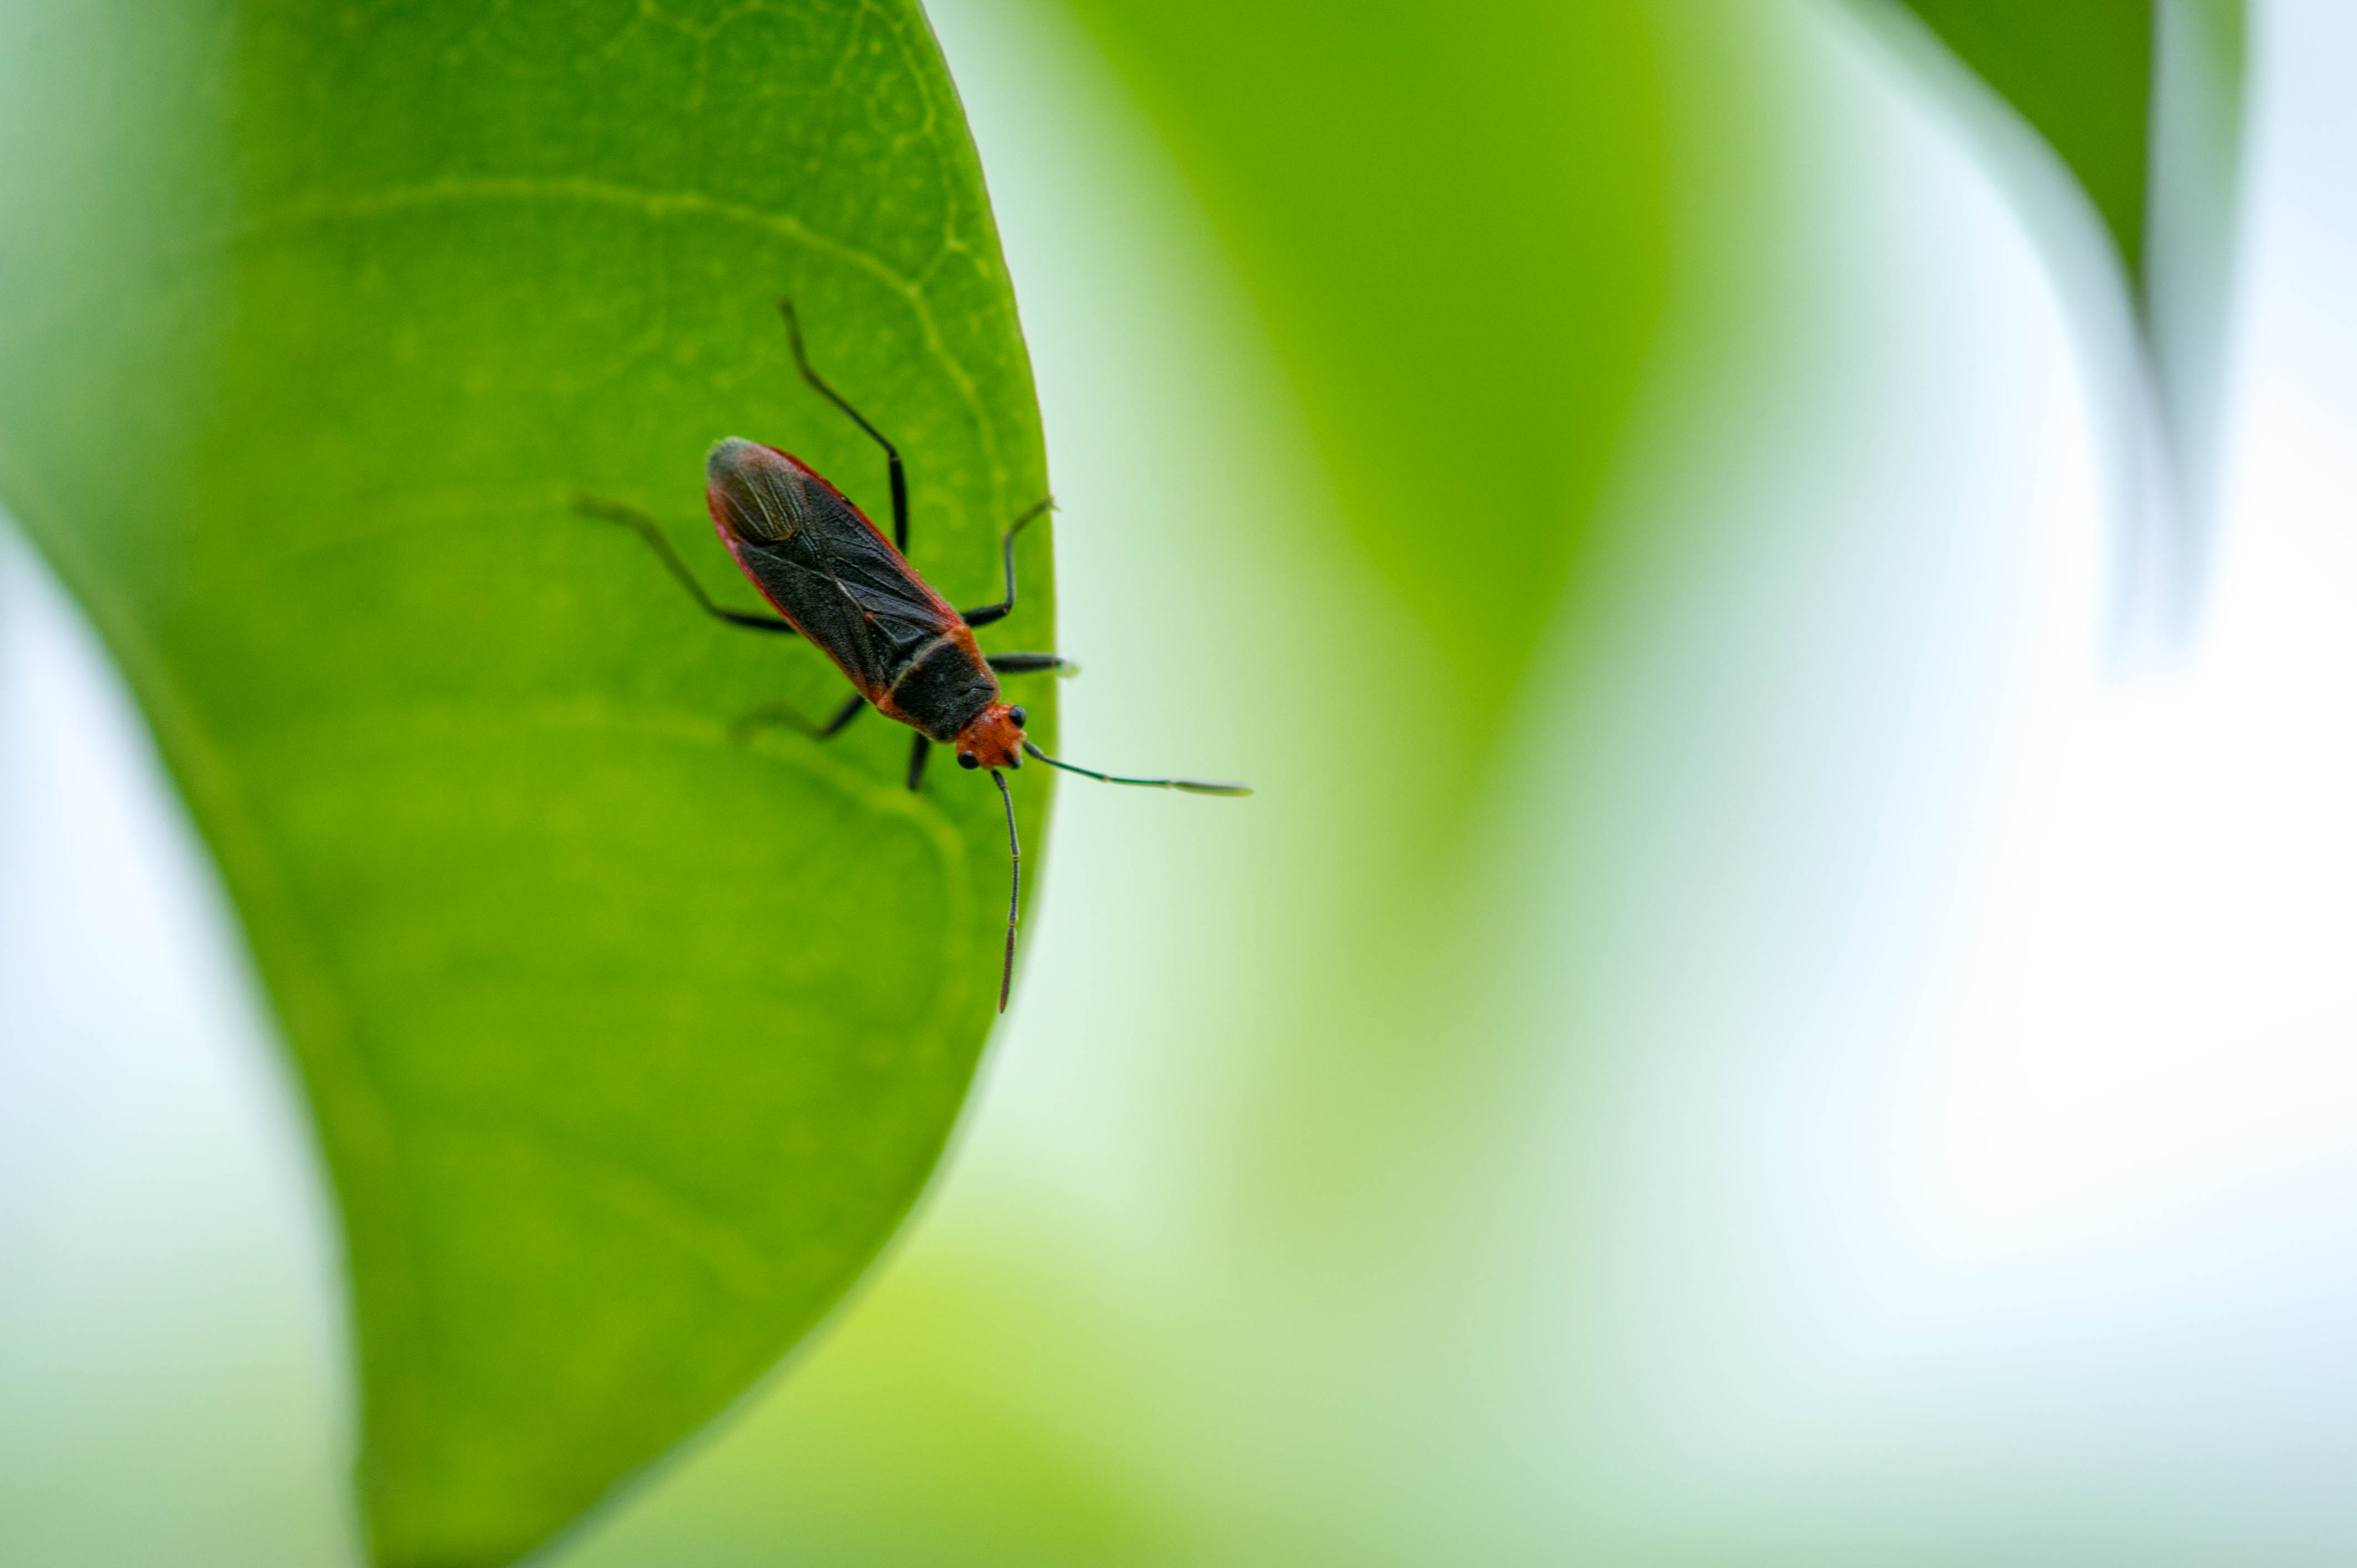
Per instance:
{"type": "Point", "coordinates": [1013, 886]}
{"type": "Point", "coordinates": [1192, 786]}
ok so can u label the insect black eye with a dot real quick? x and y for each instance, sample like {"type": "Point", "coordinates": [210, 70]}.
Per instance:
{"type": "Point", "coordinates": [1017, 715]}
{"type": "Point", "coordinates": [968, 759]}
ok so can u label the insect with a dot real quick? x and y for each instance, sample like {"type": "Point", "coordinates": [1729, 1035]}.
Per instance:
{"type": "Point", "coordinates": [833, 577]}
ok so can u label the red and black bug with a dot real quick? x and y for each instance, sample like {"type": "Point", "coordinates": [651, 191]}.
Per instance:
{"type": "Point", "coordinates": [833, 578]}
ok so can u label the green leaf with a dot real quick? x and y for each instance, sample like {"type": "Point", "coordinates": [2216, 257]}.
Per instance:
{"type": "Point", "coordinates": [629, 1045]}
{"type": "Point", "coordinates": [2081, 72]}
{"type": "Point", "coordinates": [2141, 101]}
{"type": "Point", "coordinates": [1457, 234]}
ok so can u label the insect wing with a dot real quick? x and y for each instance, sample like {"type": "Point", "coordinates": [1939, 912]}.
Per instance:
{"type": "Point", "coordinates": [837, 577]}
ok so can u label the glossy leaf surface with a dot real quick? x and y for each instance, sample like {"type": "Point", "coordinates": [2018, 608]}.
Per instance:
{"type": "Point", "coordinates": [629, 1042]}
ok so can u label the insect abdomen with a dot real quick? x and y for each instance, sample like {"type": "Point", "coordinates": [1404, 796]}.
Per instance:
{"type": "Point", "coordinates": [943, 684]}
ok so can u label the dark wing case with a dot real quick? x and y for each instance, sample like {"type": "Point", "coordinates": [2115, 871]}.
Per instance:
{"type": "Point", "coordinates": [839, 579]}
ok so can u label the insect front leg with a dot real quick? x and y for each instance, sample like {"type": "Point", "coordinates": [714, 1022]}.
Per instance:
{"type": "Point", "coordinates": [988, 612]}
{"type": "Point", "coordinates": [646, 527]}
{"type": "Point", "coordinates": [786, 716]}
{"type": "Point", "coordinates": [922, 749]}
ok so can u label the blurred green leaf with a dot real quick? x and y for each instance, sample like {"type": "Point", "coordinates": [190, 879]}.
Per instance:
{"type": "Point", "coordinates": [1456, 228]}
{"type": "Point", "coordinates": [629, 1046]}
{"type": "Point", "coordinates": [2081, 72]}
{"type": "Point", "coordinates": [2140, 100]}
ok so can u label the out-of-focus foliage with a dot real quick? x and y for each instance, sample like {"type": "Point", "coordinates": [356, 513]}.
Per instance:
{"type": "Point", "coordinates": [1454, 228]}
{"type": "Point", "coordinates": [628, 1044]}
{"type": "Point", "coordinates": [2117, 87]}
{"type": "Point", "coordinates": [2142, 100]}
{"type": "Point", "coordinates": [2081, 72]}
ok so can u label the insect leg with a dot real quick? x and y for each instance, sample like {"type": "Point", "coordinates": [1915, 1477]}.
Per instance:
{"type": "Point", "coordinates": [918, 752]}
{"type": "Point", "coordinates": [786, 716]}
{"type": "Point", "coordinates": [1007, 557]}
{"type": "Point", "coordinates": [1014, 888]}
{"type": "Point", "coordinates": [989, 613]}
{"type": "Point", "coordinates": [647, 528]}
{"type": "Point", "coordinates": [1192, 786]}
{"type": "Point", "coordinates": [1029, 663]}
{"type": "Point", "coordinates": [891, 453]}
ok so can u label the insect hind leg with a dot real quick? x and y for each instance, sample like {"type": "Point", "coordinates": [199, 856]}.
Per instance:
{"type": "Point", "coordinates": [892, 464]}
